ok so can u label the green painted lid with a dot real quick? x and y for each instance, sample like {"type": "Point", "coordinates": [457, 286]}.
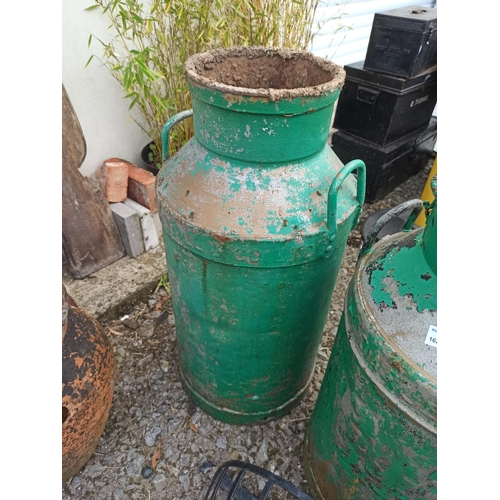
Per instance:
{"type": "Point", "coordinates": [399, 285]}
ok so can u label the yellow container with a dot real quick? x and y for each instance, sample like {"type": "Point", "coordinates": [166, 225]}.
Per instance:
{"type": "Point", "coordinates": [427, 194]}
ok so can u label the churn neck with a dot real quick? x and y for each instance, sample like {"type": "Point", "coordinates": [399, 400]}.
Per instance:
{"type": "Point", "coordinates": [429, 237]}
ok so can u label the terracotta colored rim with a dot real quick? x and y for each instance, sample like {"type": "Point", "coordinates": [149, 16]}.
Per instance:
{"type": "Point", "coordinates": [198, 65]}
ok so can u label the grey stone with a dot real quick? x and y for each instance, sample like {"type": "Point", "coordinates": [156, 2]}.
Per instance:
{"type": "Point", "coordinates": [135, 468]}
{"type": "Point", "coordinates": [262, 457]}
{"type": "Point", "coordinates": [222, 442]}
{"type": "Point", "coordinates": [147, 472]}
{"type": "Point", "coordinates": [146, 360]}
{"type": "Point", "coordinates": [197, 480]}
{"type": "Point", "coordinates": [101, 494]}
{"type": "Point", "coordinates": [159, 481]}
{"type": "Point", "coordinates": [118, 495]}
{"type": "Point", "coordinates": [150, 435]}
{"type": "Point", "coordinates": [132, 487]}
{"type": "Point", "coordinates": [206, 466]}
{"type": "Point", "coordinates": [184, 480]}
{"type": "Point", "coordinates": [77, 481]}
{"type": "Point", "coordinates": [95, 471]}
{"type": "Point", "coordinates": [261, 482]}
{"type": "Point", "coordinates": [172, 454]}
{"type": "Point", "coordinates": [185, 459]}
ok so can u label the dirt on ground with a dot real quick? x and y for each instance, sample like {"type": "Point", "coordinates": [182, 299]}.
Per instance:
{"type": "Point", "coordinates": [157, 444]}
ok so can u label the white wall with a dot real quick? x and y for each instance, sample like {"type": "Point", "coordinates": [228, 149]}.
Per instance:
{"type": "Point", "coordinates": [96, 96]}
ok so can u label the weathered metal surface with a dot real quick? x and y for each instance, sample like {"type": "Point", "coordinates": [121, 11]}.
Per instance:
{"type": "Point", "coordinates": [87, 386]}
{"type": "Point", "coordinates": [373, 432]}
{"type": "Point", "coordinates": [90, 237]}
{"type": "Point", "coordinates": [256, 210]}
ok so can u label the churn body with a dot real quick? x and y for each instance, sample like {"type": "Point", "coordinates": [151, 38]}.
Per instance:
{"type": "Point", "coordinates": [256, 210]}
{"type": "Point", "coordinates": [373, 432]}
{"type": "Point", "coordinates": [88, 368]}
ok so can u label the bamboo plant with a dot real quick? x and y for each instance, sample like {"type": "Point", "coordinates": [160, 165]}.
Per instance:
{"type": "Point", "coordinates": [151, 42]}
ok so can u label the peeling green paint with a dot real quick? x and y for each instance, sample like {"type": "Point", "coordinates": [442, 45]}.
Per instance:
{"type": "Point", "coordinates": [355, 442]}
{"type": "Point", "coordinates": [405, 272]}
{"type": "Point", "coordinates": [244, 207]}
{"type": "Point", "coordinates": [373, 432]}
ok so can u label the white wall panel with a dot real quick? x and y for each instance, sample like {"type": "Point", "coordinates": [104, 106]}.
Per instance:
{"type": "Point", "coordinates": [97, 97]}
{"type": "Point", "coordinates": [349, 43]}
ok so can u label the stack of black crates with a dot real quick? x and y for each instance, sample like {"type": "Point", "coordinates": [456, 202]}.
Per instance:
{"type": "Point", "coordinates": [384, 113]}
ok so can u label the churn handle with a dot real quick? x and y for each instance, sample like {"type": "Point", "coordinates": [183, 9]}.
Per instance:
{"type": "Point", "coordinates": [360, 166]}
{"type": "Point", "coordinates": [415, 205]}
{"type": "Point", "coordinates": [166, 130]}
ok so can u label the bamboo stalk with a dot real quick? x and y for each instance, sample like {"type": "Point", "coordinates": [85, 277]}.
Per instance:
{"type": "Point", "coordinates": [161, 37]}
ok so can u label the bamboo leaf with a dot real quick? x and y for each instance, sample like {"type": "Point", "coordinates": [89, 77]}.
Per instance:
{"type": "Point", "coordinates": [149, 45]}
{"type": "Point", "coordinates": [90, 59]}
{"type": "Point", "coordinates": [133, 103]}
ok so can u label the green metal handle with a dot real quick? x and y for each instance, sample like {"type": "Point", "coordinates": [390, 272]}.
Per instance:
{"type": "Point", "coordinates": [414, 205]}
{"type": "Point", "coordinates": [334, 189]}
{"type": "Point", "coordinates": [166, 130]}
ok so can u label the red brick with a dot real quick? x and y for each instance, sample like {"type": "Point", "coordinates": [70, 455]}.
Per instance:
{"type": "Point", "coordinates": [114, 179]}
{"type": "Point", "coordinates": [141, 187]}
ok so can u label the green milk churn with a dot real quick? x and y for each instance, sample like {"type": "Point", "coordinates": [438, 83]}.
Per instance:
{"type": "Point", "coordinates": [373, 431]}
{"type": "Point", "coordinates": [255, 209]}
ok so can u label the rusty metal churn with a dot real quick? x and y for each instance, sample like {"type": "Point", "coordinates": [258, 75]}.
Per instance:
{"type": "Point", "coordinates": [373, 431]}
{"type": "Point", "coordinates": [256, 209]}
{"type": "Point", "coordinates": [87, 385]}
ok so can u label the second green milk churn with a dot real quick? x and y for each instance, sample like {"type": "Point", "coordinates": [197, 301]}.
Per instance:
{"type": "Point", "coordinates": [373, 431]}
{"type": "Point", "coordinates": [255, 209]}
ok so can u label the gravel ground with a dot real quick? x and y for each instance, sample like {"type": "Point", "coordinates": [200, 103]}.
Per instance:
{"type": "Point", "coordinates": [153, 424]}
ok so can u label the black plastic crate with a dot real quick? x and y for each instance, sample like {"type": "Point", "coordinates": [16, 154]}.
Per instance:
{"type": "Point", "coordinates": [403, 42]}
{"type": "Point", "coordinates": [382, 109]}
{"type": "Point", "coordinates": [390, 166]}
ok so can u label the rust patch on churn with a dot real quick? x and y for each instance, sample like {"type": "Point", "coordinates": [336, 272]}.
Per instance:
{"type": "Point", "coordinates": [87, 386]}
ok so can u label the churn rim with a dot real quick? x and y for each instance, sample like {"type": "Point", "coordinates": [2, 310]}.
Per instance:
{"type": "Point", "coordinates": [194, 63]}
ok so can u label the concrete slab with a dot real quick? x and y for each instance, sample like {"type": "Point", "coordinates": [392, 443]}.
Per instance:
{"type": "Point", "coordinates": [146, 217]}
{"type": "Point", "coordinates": [110, 292]}
{"type": "Point", "coordinates": [129, 225]}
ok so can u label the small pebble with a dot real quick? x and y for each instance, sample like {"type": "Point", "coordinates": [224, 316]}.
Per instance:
{"type": "Point", "coordinates": [191, 407]}
{"type": "Point", "coordinates": [147, 472]}
{"type": "Point", "coordinates": [222, 442]}
{"type": "Point", "coordinates": [206, 465]}
{"type": "Point", "coordinates": [118, 495]}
